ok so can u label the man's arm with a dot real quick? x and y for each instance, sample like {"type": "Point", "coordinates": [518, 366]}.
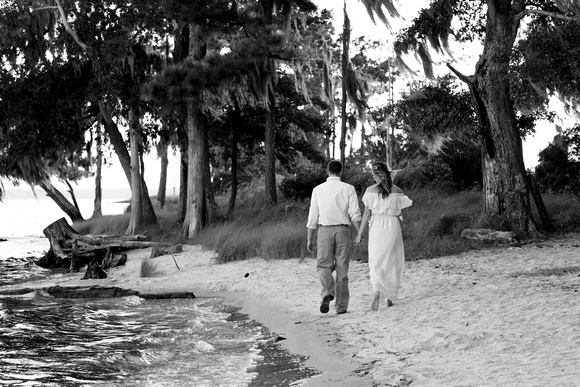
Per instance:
{"type": "Point", "coordinates": [312, 222]}
{"type": "Point", "coordinates": [310, 243]}
{"type": "Point", "coordinates": [353, 208]}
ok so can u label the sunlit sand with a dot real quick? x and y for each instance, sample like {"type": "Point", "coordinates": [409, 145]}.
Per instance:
{"type": "Point", "coordinates": [499, 317]}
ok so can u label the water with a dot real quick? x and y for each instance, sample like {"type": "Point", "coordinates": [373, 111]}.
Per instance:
{"type": "Point", "coordinates": [127, 341]}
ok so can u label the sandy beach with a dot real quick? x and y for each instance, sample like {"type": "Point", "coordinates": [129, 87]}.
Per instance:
{"type": "Point", "coordinates": [505, 316]}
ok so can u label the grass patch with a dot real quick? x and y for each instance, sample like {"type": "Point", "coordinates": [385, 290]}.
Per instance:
{"type": "Point", "coordinates": [104, 225]}
{"type": "Point", "coordinates": [148, 268]}
{"type": "Point", "coordinates": [563, 210]}
{"type": "Point", "coordinates": [435, 222]}
{"type": "Point", "coordinates": [272, 233]}
{"type": "Point", "coordinates": [433, 226]}
{"type": "Point", "coordinates": [168, 228]}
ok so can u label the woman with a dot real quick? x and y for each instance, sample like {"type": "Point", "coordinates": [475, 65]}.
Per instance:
{"type": "Point", "coordinates": [384, 203]}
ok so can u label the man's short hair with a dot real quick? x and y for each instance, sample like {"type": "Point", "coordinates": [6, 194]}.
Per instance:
{"type": "Point", "coordinates": [334, 167]}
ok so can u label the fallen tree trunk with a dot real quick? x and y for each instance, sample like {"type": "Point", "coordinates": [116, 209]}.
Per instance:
{"type": "Point", "coordinates": [70, 249]}
{"type": "Point", "coordinates": [118, 245]}
{"type": "Point", "coordinates": [95, 291]}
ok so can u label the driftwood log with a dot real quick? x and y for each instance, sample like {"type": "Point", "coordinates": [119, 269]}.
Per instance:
{"type": "Point", "coordinates": [70, 249]}
{"type": "Point", "coordinates": [95, 291]}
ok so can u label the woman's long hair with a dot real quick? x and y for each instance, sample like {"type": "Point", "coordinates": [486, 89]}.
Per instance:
{"type": "Point", "coordinates": [386, 184]}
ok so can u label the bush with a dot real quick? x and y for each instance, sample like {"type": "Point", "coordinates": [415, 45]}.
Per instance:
{"type": "Point", "coordinates": [359, 178]}
{"type": "Point", "coordinates": [556, 172]}
{"type": "Point", "coordinates": [563, 209]}
{"type": "Point", "coordinates": [423, 173]}
{"type": "Point", "coordinates": [148, 268]}
{"type": "Point", "coordinates": [271, 233]}
{"type": "Point", "coordinates": [168, 229]}
{"type": "Point", "coordinates": [300, 186]}
{"type": "Point", "coordinates": [435, 221]}
{"type": "Point", "coordinates": [433, 226]}
{"type": "Point", "coordinates": [457, 167]}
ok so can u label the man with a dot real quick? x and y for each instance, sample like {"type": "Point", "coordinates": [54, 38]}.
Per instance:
{"type": "Point", "coordinates": [333, 207]}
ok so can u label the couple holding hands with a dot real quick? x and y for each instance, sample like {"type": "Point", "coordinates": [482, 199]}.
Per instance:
{"type": "Point", "coordinates": [333, 208]}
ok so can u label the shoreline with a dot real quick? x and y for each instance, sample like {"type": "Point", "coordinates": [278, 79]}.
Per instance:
{"type": "Point", "coordinates": [273, 315]}
{"type": "Point", "coordinates": [501, 316]}
{"type": "Point", "coordinates": [321, 356]}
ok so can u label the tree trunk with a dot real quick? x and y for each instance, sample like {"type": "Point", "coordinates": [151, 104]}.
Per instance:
{"type": "Point", "coordinates": [180, 52]}
{"type": "Point", "coordinates": [388, 154]}
{"type": "Point", "coordinates": [68, 208]}
{"type": "Point", "coordinates": [345, 59]}
{"type": "Point", "coordinates": [196, 215]}
{"type": "Point", "coordinates": [327, 140]}
{"type": "Point", "coordinates": [505, 190]}
{"type": "Point", "coordinates": [269, 9]}
{"type": "Point", "coordinates": [136, 221]}
{"type": "Point", "coordinates": [117, 141]}
{"type": "Point", "coordinates": [270, 148]}
{"type": "Point", "coordinates": [236, 122]}
{"type": "Point", "coordinates": [544, 217]}
{"type": "Point", "coordinates": [183, 168]}
{"type": "Point", "coordinates": [120, 148]}
{"type": "Point", "coordinates": [195, 218]}
{"type": "Point", "coordinates": [73, 197]}
{"type": "Point", "coordinates": [363, 139]}
{"type": "Point", "coordinates": [212, 207]}
{"type": "Point", "coordinates": [162, 147]}
{"type": "Point", "coordinates": [149, 217]}
{"type": "Point", "coordinates": [97, 207]}
{"type": "Point", "coordinates": [57, 234]}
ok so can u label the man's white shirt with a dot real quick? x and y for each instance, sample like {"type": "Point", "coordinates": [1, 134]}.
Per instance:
{"type": "Point", "coordinates": [333, 203]}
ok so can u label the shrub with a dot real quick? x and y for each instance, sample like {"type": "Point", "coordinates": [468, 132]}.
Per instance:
{"type": "Point", "coordinates": [432, 228]}
{"type": "Point", "coordinates": [167, 229]}
{"type": "Point", "coordinates": [148, 268]}
{"type": "Point", "coordinates": [359, 178]}
{"type": "Point", "coordinates": [272, 233]}
{"type": "Point", "coordinates": [300, 186]}
{"type": "Point", "coordinates": [445, 225]}
{"type": "Point", "coordinates": [563, 210]}
{"type": "Point", "coordinates": [557, 172]}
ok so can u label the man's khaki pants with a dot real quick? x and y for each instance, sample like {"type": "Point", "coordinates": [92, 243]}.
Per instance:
{"type": "Point", "coordinates": [334, 246]}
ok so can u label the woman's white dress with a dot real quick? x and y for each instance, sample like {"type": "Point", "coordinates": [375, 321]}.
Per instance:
{"type": "Point", "coordinates": [386, 251]}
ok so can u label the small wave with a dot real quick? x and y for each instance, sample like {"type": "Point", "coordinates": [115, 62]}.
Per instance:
{"type": "Point", "coordinates": [202, 346]}
{"type": "Point", "coordinates": [37, 375]}
{"type": "Point", "coordinates": [37, 293]}
{"type": "Point", "coordinates": [130, 301]}
{"type": "Point", "coordinates": [131, 357]}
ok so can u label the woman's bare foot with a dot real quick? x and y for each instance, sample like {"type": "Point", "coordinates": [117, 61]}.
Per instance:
{"type": "Point", "coordinates": [375, 303]}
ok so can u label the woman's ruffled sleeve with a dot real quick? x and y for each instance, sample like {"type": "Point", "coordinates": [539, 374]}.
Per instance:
{"type": "Point", "coordinates": [400, 201]}
{"type": "Point", "coordinates": [367, 198]}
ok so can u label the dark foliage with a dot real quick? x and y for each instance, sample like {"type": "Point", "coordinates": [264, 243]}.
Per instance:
{"type": "Point", "coordinates": [41, 123]}
{"type": "Point", "coordinates": [300, 186]}
{"type": "Point", "coordinates": [556, 172]}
